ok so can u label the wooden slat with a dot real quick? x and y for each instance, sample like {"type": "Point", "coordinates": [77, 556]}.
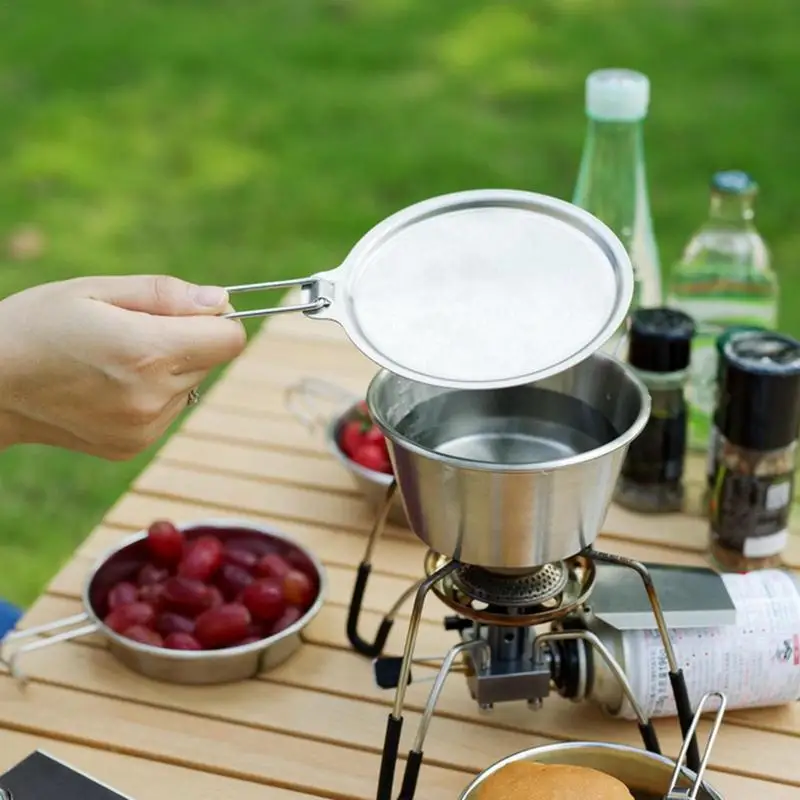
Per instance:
{"type": "Point", "coordinates": [275, 466]}
{"type": "Point", "coordinates": [281, 708]}
{"type": "Point", "coordinates": [329, 628]}
{"type": "Point", "coordinates": [326, 665]}
{"type": "Point", "coordinates": [247, 495]}
{"type": "Point", "coordinates": [203, 743]}
{"type": "Point", "coordinates": [308, 505]}
{"type": "Point", "coordinates": [249, 386]}
{"type": "Point", "coordinates": [95, 670]}
{"type": "Point", "coordinates": [400, 555]}
{"type": "Point", "coordinates": [137, 778]}
{"type": "Point", "coordinates": [69, 583]}
{"type": "Point", "coordinates": [253, 430]}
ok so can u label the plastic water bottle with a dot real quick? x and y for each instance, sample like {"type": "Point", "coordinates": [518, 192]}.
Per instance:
{"type": "Point", "coordinates": [612, 182]}
{"type": "Point", "coordinates": [723, 280]}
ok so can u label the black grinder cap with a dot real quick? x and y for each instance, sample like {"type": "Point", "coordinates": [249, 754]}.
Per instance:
{"type": "Point", "coordinates": [660, 340]}
{"type": "Point", "coordinates": [759, 394]}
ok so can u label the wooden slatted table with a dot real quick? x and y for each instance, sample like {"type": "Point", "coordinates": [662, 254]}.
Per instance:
{"type": "Point", "coordinates": [313, 727]}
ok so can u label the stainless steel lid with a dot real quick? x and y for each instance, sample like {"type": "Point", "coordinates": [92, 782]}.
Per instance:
{"type": "Point", "coordinates": [484, 289]}
{"type": "Point", "coordinates": [476, 290]}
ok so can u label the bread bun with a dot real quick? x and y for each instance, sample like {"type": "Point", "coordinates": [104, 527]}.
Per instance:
{"type": "Point", "coordinates": [527, 780]}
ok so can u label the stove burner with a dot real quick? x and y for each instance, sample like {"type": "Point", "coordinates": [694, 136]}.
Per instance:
{"type": "Point", "coordinates": [512, 590]}
{"type": "Point", "coordinates": [517, 599]}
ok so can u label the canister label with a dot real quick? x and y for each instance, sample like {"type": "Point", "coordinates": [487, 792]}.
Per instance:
{"type": "Point", "coordinates": [755, 662]}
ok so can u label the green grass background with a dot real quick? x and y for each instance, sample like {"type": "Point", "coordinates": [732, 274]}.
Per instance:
{"type": "Point", "coordinates": [238, 140]}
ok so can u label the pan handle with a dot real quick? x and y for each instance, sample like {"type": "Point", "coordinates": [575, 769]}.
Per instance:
{"type": "Point", "coordinates": [317, 297]}
{"type": "Point", "coordinates": [673, 792]}
{"type": "Point", "coordinates": [302, 401]}
{"type": "Point", "coordinates": [63, 630]}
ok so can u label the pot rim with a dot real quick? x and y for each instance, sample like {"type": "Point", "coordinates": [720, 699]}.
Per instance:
{"type": "Point", "coordinates": [523, 755]}
{"type": "Point", "coordinates": [624, 439]}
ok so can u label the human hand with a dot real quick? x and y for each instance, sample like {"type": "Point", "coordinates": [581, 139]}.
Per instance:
{"type": "Point", "coordinates": [103, 365]}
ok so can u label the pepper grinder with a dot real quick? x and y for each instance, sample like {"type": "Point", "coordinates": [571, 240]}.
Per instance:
{"type": "Point", "coordinates": [659, 351]}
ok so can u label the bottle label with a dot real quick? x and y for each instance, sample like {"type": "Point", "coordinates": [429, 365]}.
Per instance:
{"type": "Point", "coordinates": [750, 513]}
{"type": "Point", "coordinates": [755, 662]}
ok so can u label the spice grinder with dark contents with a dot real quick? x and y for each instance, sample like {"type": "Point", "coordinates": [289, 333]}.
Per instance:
{"type": "Point", "coordinates": [659, 350]}
{"type": "Point", "coordinates": [755, 455]}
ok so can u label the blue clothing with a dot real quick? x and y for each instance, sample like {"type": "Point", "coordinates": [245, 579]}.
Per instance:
{"type": "Point", "coordinates": [9, 616]}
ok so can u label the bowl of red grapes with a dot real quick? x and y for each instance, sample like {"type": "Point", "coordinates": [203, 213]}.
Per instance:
{"type": "Point", "coordinates": [361, 446]}
{"type": "Point", "coordinates": [206, 602]}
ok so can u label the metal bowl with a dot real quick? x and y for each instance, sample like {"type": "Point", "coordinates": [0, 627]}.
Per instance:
{"type": "Point", "coordinates": [646, 775]}
{"type": "Point", "coordinates": [305, 401]}
{"type": "Point", "coordinates": [175, 666]}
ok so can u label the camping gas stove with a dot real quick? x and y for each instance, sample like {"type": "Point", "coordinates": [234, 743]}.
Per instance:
{"type": "Point", "coordinates": [503, 655]}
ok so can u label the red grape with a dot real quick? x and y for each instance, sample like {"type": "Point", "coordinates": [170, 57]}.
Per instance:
{"type": "Point", "coordinates": [216, 597]}
{"type": "Point", "coordinates": [264, 599]}
{"type": "Point", "coordinates": [123, 594]}
{"type": "Point", "coordinates": [152, 593]}
{"type": "Point", "coordinates": [202, 558]}
{"type": "Point", "coordinates": [352, 436]}
{"type": "Point", "coordinates": [143, 635]}
{"type": "Point", "coordinates": [150, 573]}
{"type": "Point", "coordinates": [223, 626]}
{"type": "Point", "coordinates": [132, 614]}
{"type": "Point", "coordinates": [232, 580]}
{"type": "Point", "coordinates": [170, 622]}
{"type": "Point", "coordinates": [375, 436]}
{"type": "Point", "coordinates": [272, 565]}
{"type": "Point", "coordinates": [257, 545]}
{"type": "Point", "coordinates": [187, 595]}
{"type": "Point", "coordinates": [298, 589]}
{"type": "Point", "coordinates": [257, 630]}
{"type": "Point", "coordinates": [289, 617]}
{"type": "Point", "coordinates": [299, 560]}
{"type": "Point", "coordinates": [182, 641]}
{"type": "Point", "coordinates": [374, 457]}
{"type": "Point", "coordinates": [165, 542]}
{"type": "Point", "coordinates": [240, 557]}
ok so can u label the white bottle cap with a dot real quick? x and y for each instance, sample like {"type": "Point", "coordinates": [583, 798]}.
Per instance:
{"type": "Point", "coordinates": [617, 95]}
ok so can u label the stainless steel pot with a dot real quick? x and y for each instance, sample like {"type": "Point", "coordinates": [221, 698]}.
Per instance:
{"type": "Point", "coordinates": [647, 775]}
{"type": "Point", "coordinates": [306, 401]}
{"type": "Point", "coordinates": [174, 666]}
{"type": "Point", "coordinates": [511, 478]}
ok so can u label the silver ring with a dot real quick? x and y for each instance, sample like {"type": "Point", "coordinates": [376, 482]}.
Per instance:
{"type": "Point", "coordinates": [194, 397]}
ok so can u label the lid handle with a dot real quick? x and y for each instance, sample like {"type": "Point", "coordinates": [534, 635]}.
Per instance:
{"type": "Point", "coordinates": [317, 301]}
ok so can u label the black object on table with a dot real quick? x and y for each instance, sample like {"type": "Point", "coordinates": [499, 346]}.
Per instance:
{"type": "Point", "coordinates": [41, 777]}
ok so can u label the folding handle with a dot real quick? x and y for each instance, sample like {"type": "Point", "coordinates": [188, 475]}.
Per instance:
{"type": "Point", "coordinates": [67, 632]}
{"type": "Point", "coordinates": [304, 399]}
{"type": "Point", "coordinates": [316, 302]}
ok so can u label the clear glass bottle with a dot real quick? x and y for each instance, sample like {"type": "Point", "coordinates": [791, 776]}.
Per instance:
{"type": "Point", "coordinates": [723, 280]}
{"type": "Point", "coordinates": [612, 181]}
